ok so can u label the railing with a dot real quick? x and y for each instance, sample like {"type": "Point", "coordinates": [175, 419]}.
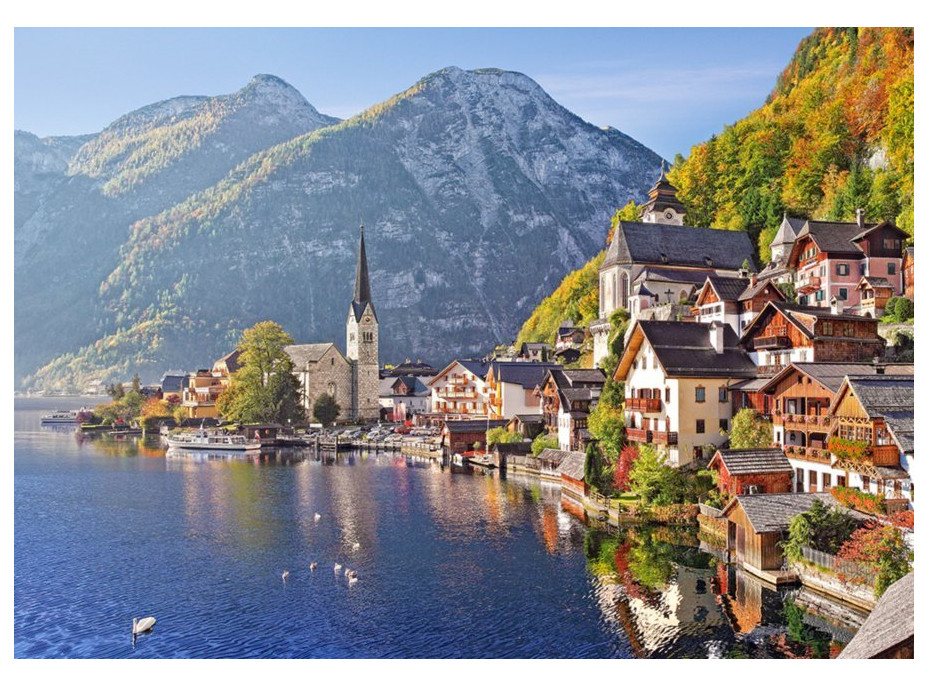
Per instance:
{"type": "Point", "coordinates": [771, 342]}
{"type": "Point", "coordinates": [665, 437]}
{"type": "Point", "coordinates": [835, 564]}
{"type": "Point", "coordinates": [467, 395]}
{"type": "Point", "coordinates": [806, 453]}
{"type": "Point", "coordinates": [803, 421]}
{"type": "Point", "coordinates": [709, 511]}
{"type": "Point", "coordinates": [884, 455]}
{"type": "Point", "coordinates": [769, 369]}
{"type": "Point", "coordinates": [894, 505]}
{"type": "Point", "coordinates": [638, 435]}
{"type": "Point", "coordinates": [643, 404]}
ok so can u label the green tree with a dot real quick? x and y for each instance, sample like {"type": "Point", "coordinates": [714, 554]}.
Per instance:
{"type": "Point", "coordinates": [607, 425]}
{"type": "Point", "coordinates": [136, 383]}
{"type": "Point", "coordinates": [263, 388]}
{"type": "Point", "coordinates": [325, 409]}
{"type": "Point", "coordinates": [500, 435]}
{"type": "Point", "coordinates": [749, 431]}
{"type": "Point", "coordinates": [592, 466]}
{"type": "Point", "coordinates": [655, 482]}
{"type": "Point", "coordinates": [543, 441]}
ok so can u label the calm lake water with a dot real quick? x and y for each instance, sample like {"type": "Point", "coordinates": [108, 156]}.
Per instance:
{"type": "Point", "coordinates": [450, 565]}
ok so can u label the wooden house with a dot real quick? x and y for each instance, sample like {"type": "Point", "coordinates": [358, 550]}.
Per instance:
{"type": "Point", "coordinates": [572, 478]}
{"type": "Point", "coordinates": [567, 396]}
{"type": "Point", "coordinates": [872, 434]}
{"type": "Point", "coordinates": [527, 425]}
{"type": "Point", "coordinates": [757, 524]}
{"type": "Point", "coordinates": [458, 436]}
{"type": "Point", "coordinates": [511, 386]}
{"type": "Point", "coordinates": [800, 397]}
{"type": "Point", "coordinates": [734, 301]}
{"type": "Point", "coordinates": [752, 471]}
{"type": "Point", "coordinates": [873, 293]}
{"type": "Point", "coordinates": [784, 333]}
{"type": "Point", "coordinates": [461, 389]}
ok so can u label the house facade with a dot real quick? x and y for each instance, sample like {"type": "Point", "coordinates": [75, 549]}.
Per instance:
{"type": "Point", "coordinates": [461, 389]}
{"type": "Point", "coordinates": [676, 377]}
{"type": "Point", "coordinates": [511, 387]}
{"type": "Point", "coordinates": [322, 369]}
{"type": "Point", "coordinates": [734, 301]}
{"type": "Point", "coordinates": [567, 396]}
{"type": "Point", "coordinates": [752, 471]}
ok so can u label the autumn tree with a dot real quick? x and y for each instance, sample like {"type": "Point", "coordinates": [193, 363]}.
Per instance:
{"type": "Point", "coordinates": [748, 430]}
{"type": "Point", "coordinates": [263, 388]}
{"type": "Point", "coordinates": [623, 468]}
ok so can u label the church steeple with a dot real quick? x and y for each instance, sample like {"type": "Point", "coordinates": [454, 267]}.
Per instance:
{"type": "Point", "coordinates": [663, 207]}
{"type": "Point", "coordinates": [362, 284]}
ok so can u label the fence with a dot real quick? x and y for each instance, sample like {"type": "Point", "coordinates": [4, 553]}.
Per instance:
{"type": "Point", "coordinates": [709, 511]}
{"type": "Point", "coordinates": [828, 561]}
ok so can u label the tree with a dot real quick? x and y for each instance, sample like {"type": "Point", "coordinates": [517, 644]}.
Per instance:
{"type": "Point", "coordinates": [543, 441]}
{"type": "Point", "coordinates": [749, 431]}
{"type": "Point", "coordinates": [136, 383]}
{"type": "Point", "coordinates": [656, 482]}
{"type": "Point", "coordinates": [607, 425]}
{"type": "Point", "coordinates": [821, 527]}
{"type": "Point", "coordinates": [500, 435]}
{"type": "Point", "coordinates": [592, 465]}
{"type": "Point", "coordinates": [263, 388]}
{"type": "Point", "coordinates": [880, 552]}
{"type": "Point", "coordinates": [623, 467]}
{"type": "Point", "coordinates": [325, 409]}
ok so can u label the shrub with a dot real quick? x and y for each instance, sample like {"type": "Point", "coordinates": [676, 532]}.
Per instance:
{"type": "Point", "coordinates": [543, 441]}
{"type": "Point", "coordinates": [880, 551]}
{"type": "Point", "coordinates": [821, 527]}
{"type": "Point", "coordinates": [854, 499]}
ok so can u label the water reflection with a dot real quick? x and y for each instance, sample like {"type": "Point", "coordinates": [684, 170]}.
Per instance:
{"type": "Point", "coordinates": [674, 600]}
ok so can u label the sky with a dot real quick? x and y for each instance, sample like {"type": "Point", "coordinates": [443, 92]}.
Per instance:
{"type": "Point", "coordinates": [670, 89]}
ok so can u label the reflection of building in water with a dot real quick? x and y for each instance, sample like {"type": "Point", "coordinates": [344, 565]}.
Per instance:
{"type": "Point", "coordinates": [683, 619]}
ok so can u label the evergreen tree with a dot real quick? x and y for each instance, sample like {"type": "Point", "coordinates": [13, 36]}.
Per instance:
{"type": "Point", "coordinates": [326, 410]}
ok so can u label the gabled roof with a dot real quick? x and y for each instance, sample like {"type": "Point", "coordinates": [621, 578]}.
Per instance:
{"type": "Point", "coordinates": [874, 282]}
{"type": "Point", "coordinates": [417, 368]}
{"type": "Point", "coordinates": [831, 375]}
{"type": "Point", "coordinates": [891, 397]}
{"type": "Point", "coordinates": [751, 292]}
{"type": "Point", "coordinates": [771, 512]}
{"type": "Point", "coordinates": [571, 464]}
{"type": "Point", "coordinates": [230, 360]}
{"type": "Point", "coordinates": [556, 457]}
{"type": "Point", "coordinates": [174, 382]}
{"type": "Point", "coordinates": [890, 623]}
{"type": "Point", "coordinates": [478, 368]}
{"type": "Point", "coordinates": [682, 246]}
{"type": "Point", "coordinates": [525, 374]}
{"type": "Point", "coordinates": [473, 425]}
{"type": "Point", "coordinates": [695, 277]}
{"type": "Point", "coordinates": [789, 228]}
{"type": "Point", "coordinates": [727, 288]}
{"type": "Point", "coordinates": [804, 318]}
{"type": "Point", "coordinates": [882, 225]}
{"type": "Point", "coordinates": [304, 354]}
{"type": "Point", "coordinates": [752, 461]}
{"type": "Point", "coordinates": [684, 349]}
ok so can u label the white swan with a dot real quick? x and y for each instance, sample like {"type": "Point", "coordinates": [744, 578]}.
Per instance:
{"type": "Point", "coordinates": [285, 575]}
{"type": "Point", "coordinates": [312, 566]}
{"type": "Point", "coordinates": [142, 625]}
{"type": "Point", "coordinates": [355, 545]}
{"type": "Point", "coordinates": [317, 516]}
{"type": "Point", "coordinates": [338, 567]}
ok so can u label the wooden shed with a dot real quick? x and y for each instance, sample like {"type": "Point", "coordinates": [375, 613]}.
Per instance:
{"type": "Point", "coordinates": [757, 524]}
{"type": "Point", "coordinates": [571, 467]}
{"type": "Point", "coordinates": [751, 471]}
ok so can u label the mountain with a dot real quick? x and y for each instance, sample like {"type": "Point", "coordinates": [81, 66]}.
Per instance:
{"type": "Point", "coordinates": [836, 133]}
{"type": "Point", "coordinates": [477, 190]}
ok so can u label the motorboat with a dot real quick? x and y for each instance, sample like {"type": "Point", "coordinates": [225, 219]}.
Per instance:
{"type": "Point", "coordinates": [211, 440]}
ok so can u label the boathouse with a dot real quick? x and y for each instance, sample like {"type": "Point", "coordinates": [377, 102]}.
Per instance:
{"type": "Point", "coordinates": [459, 436]}
{"type": "Point", "coordinates": [755, 470]}
{"type": "Point", "coordinates": [571, 468]}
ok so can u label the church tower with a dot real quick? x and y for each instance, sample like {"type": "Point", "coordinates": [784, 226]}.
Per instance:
{"type": "Point", "coordinates": [362, 345]}
{"type": "Point", "coordinates": [662, 206]}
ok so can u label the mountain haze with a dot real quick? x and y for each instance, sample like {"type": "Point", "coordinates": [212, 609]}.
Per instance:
{"type": "Point", "coordinates": [478, 193]}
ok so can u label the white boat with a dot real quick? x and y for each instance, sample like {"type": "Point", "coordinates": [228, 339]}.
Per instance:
{"type": "Point", "coordinates": [60, 417]}
{"type": "Point", "coordinates": [205, 440]}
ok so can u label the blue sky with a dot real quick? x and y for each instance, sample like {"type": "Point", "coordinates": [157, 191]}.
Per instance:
{"type": "Point", "coordinates": [668, 88]}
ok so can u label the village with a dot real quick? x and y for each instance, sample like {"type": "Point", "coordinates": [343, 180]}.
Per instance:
{"type": "Point", "coordinates": [744, 398]}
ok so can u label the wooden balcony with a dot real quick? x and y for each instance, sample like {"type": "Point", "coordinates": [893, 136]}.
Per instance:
{"type": "Point", "coordinates": [772, 342]}
{"type": "Point", "coordinates": [810, 286]}
{"type": "Point", "coordinates": [665, 437]}
{"type": "Point", "coordinates": [801, 452]}
{"type": "Point", "coordinates": [803, 422]}
{"type": "Point", "coordinates": [884, 455]}
{"type": "Point", "coordinates": [638, 435]}
{"type": "Point", "coordinates": [769, 369]}
{"type": "Point", "coordinates": [643, 404]}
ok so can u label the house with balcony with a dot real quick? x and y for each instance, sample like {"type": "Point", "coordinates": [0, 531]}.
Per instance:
{"type": "Point", "coordinates": [404, 396]}
{"type": "Point", "coordinates": [199, 397]}
{"type": "Point", "coordinates": [872, 434]}
{"type": "Point", "coordinates": [784, 332]}
{"type": "Point", "coordinates": [830, 258]}
{"type": "Point", "coordinates": [460, 389]}
{"type": "Point", "coordinates": [734, 301]}
{"type": "Point", "coordinates": [511, 387]}
{"type": "Point", "coordinates": [677, 377]}
{"type": "Point", "coordinates": [873, 293]}
{"type": "Point", "coordinates": [566, 397]}
{"type": "Point", "coordinates": [800, 397]}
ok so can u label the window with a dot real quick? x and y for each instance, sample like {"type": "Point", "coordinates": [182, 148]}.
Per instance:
{"type": "Point", "coordinates": [843, 269]}
{"type": "Point", "coordinates": [700, 394]}
{"type": "Point", "coordinates": [891, 244]}
{"type": "Point", "coordinates": [800, 480]}
{"type": "Point", "coordinates": [667, 395]}
{"type": "Point", "coordinates": [826, 481]}
{"type": "Point", "coordinates": [819, 296]}
{"type": "Point", "coordinates": [891, 268]}
{"type": "Point", "coordinates": [723, 395]}
{"type": "Point", "coordinates": [821, 270]}
{"type": "Point", "coordinates": [723, 425]}
{"type": "Point", "coordinates": [842, 294]}
{"type": "Point", "coordinates": [700, 426]}
{"type": "Point", "coordinates": [841, 481]}
{"type": "Point", "coordinates": [865, 484]}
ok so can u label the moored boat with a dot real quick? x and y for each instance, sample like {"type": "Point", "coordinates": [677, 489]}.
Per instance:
{"type": "Point", "coordinates": [60, 417]}
{"type": "Point", "coordinates": [206, 440]}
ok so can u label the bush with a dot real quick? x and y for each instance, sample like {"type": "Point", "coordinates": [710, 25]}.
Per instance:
{"type": "Point", "coordinates": [821, 527]}
{"type": "Point", "coordinates": [899, 309]}
{"type": "Point", "coordinates": [543, 441]}
{"type": "Point", "coordinates": [881, 551]}
{"type": "Point", "coordinates": [854, 499]}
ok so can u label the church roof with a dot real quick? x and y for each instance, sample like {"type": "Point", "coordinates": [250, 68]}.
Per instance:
{"type": "Point", "coordinates": [362, 284]}
{"type": "Point", "coordinates": [679, 246]}
{"type": "Point", "coordinates": [305, 354]}
{"type": "Point", "coordinates": [789, 229]}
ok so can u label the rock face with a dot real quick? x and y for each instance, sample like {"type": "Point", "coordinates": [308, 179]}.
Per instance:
{"type": "Point", "coordinates": [186, 221]}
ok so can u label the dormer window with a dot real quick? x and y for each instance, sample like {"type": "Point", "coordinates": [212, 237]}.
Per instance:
{"type": "Point", "coordinates": [708, 260]}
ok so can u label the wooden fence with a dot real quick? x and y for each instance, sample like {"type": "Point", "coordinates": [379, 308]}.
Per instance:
{"type": "Point", "coordinates": [835, 564]}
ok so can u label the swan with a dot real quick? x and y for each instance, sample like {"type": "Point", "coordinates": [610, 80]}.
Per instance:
{"type": "Point", "coordinates": [352, 574]}
{"type": "Point", "coordinates": [312, 566]}
{"type": "Point", "coordinates": [142, 625]}
{"type": "Point", "coordinates": [285, 575]}
{"type": "Point", "coordinates": [337, 567]}
{"type": "Point", "coordinates": [317, 516]}
{"type": "Point", "coordinates": [355, 545]}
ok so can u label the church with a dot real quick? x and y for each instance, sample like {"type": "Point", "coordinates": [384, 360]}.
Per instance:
{"type": "Point", "coordinates": [352, 379]}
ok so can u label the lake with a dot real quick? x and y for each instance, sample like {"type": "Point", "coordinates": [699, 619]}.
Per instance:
{"type": "Point", "coordinates": [450, 564]}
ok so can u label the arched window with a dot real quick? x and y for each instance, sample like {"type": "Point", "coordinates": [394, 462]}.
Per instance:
{"type": "Point", "coordinates": [623, 297]}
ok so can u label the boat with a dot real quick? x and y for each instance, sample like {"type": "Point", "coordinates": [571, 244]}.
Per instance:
{"type": "Point", "coordinates": [207, 440]}
{"type": "Point", "coordinates": [60, 417]}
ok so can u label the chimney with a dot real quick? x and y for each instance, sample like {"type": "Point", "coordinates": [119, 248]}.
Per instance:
{"type": "Point", "coordinates": [753, 280]}
{"type": "Point", "coordinates": [717, 337]}
{"type": "Point", "coordinates": [836, 306]}
{"type": "Point", "coordinates": [743, 273]}
{"type": "Point", "coordinates": [860, 217]}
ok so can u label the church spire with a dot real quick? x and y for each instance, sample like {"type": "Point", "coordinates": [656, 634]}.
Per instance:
{"type": "Point", "coordinates": [362, 285]}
